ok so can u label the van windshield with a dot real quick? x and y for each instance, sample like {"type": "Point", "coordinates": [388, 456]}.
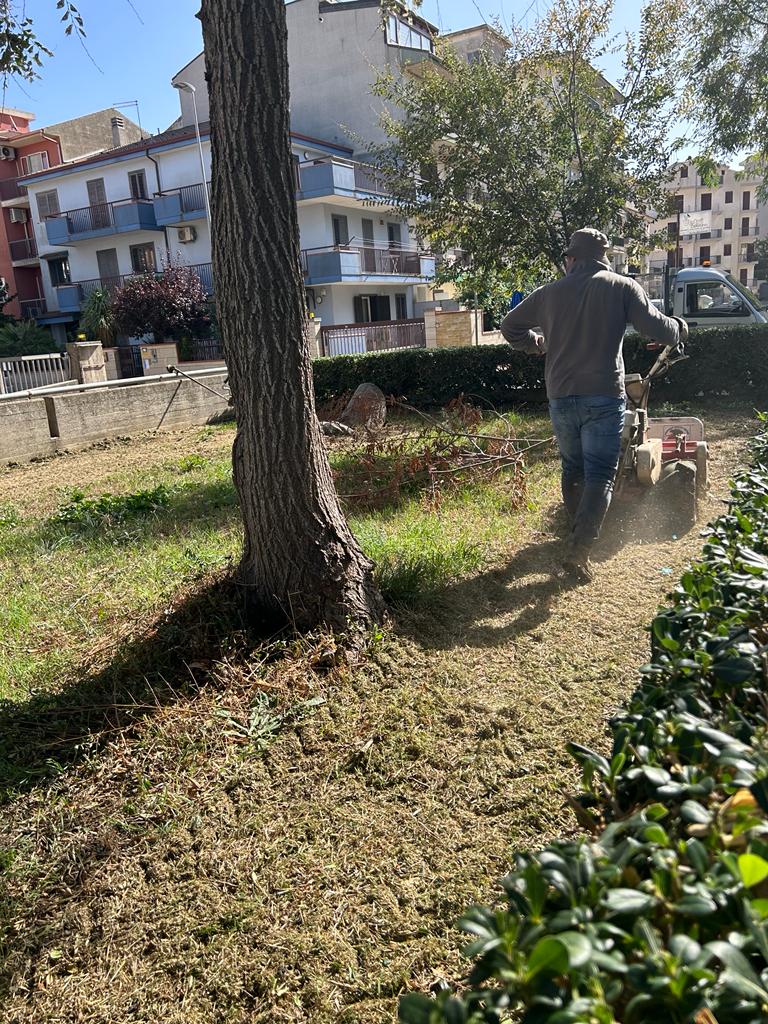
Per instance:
{"type": "Point", "coordinates": [746, 293]}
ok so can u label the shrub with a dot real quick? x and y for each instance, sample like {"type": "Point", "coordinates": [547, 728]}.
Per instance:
{"type": "Point", "coordinates": [722, 361]}
{"type": "Point", "coordinates": [98, 318]}
{"type": "Point", "coordinates": [108, 509]}
{"type": "Point", "coordinates": [664, 913]}
{"type": "Point", "coordinates": [168, 305]}
{"type": "Point", "coordinates": [25, 338]}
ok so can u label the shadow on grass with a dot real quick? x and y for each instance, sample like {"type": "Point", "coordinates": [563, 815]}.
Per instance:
{"type": "Point", "coordinates": [493, 607]}
{"type": "Point", "coordinates": [42, 735]}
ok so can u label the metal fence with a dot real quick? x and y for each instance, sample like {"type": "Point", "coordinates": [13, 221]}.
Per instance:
{"type": "Point", "coordinates": [348, 339]}
{"type": "Point", "coordinates": [20, 373]}
{"type": "Point", "coordinates": [23, 249]}
{"type": "Point", "coordinates": [30, 308]}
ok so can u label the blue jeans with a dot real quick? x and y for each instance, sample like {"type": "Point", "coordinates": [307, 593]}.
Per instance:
{"type": "Point", "coordinates": [588, 431]}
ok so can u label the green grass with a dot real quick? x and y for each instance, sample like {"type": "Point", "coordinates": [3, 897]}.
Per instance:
{"type": "Point", "coordinates": [74, 579]}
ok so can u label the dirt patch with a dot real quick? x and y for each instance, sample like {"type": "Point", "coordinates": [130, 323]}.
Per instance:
{"type": "Point", "coordinates": [185, 875]}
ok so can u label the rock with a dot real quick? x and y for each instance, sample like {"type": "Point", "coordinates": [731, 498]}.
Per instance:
{"type": "Point", "coordinates": [331, 428]}
{"type": "Point", "coordinates": [366, 408]}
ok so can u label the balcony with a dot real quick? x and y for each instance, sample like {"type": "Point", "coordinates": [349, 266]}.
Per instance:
{"type": "Point", "coordinates": [330, 179]}
{"type": "Point", "coordinates": [31, 308]}
{"type": "Point", "coordinates": [12, 193]}
{"type": "Point", "coordinates": [101, 219]}
{"type": "Point", "coordinates": [697, 261]}
{"type": "Point", "coordinates": [359, 263]}
{"type": "Point", "coordinates": [702, 235]}
{"type": "Point", "coordinates": [72, 297]}
{"type": "Point", "coordinates": [23, 251]}
{"type": "Point", "coordinates": [751, 231]}
{"type": "Point", "coordinates": [178, 205]}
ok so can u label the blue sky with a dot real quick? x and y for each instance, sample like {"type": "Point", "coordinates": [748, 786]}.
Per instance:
{"type": "Point", "coordinates": [139, 44]}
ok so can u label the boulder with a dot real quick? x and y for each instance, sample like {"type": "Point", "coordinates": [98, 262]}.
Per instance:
{"type": "Point", "coordinates": [366, 408]}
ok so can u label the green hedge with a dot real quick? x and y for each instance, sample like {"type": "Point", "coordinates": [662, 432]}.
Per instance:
{"type": "Point", "coordinates": [664, 912]}
{"type": "Point", "coordinates": [733, 361]}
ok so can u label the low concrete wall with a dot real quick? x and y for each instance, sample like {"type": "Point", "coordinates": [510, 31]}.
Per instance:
{"type": "Point", "coordinates": [24, 432]}
{"type": "Point", "coordinates": [83, 417]}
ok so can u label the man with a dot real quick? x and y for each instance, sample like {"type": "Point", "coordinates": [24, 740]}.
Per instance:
{"type": "Point", "coordinates": [579, 321]}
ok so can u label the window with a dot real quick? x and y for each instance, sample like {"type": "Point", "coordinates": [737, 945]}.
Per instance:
{"type": "Point", "coordinates": [48, 204]}
{"type": "Point", "coordinates": [704, 253]}
{"type": "Point", "coordinates": [394, 235]}
{"type": "Point", "coordinates": [401, 307]}
{"type": "Point", "coordinates": [727, 249]}
{"type": "Point", "coordinates": [58, 270]}
{"type": "Point", "coordinates": [474, 56]}
{"type": "Point", "coordinates": [745, 200]}
{"type": "Point", "coordinates": [712, 300]}
{"type": "Point", "coordinates": [672, 230]}
{"type": "Point", "coordinates": [706, 201]}
{"type": "Point", "coordinates": [33, 162]}
{"type": "Point", "coordinates": [729, 197]}
{"type": "Point", "coordinates": [684, 171]}
{"type": "Point", "coordinates": [743, 275]}
{"type": "Point", "coordinates": [745, 225]}
{"type": "Point", "coordinates": [679, 201]}
{"type": "Point", "coordinates": [137, 184]}
{"type": "Point", "coordinates": [340, 230]}
{"type": "Point", "coordinates": [749, 255]}
{"type": "Point", "coordinates": [401, 33]}
{"type": "Point", "coordinates": [143, 258]}
{"type": "Point", "coordinates": [728, 224]}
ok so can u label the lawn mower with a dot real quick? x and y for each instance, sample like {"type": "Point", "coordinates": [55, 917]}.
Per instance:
{"type": "Point", "coordinates": [666, 452]}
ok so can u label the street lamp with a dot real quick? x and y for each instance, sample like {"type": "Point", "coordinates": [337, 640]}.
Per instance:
{"type": "Point", "coordinates": [188, 87]}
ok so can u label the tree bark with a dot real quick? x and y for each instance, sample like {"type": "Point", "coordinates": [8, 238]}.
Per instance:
{"type": "Point", "coordinates": [300, 561]}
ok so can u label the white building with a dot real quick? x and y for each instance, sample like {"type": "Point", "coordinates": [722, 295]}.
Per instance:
{"type": "Point", "coordinates": [730, 222]}
{"type": "Point", "coordinates": [129, 210]}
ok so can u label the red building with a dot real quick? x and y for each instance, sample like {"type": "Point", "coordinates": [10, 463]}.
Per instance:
{"type": "Point", "coordinates": [24, 150]}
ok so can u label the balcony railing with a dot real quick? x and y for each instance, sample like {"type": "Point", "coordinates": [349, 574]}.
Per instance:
{"type": "Point", "coordinates": [754, 230]}
{"type": "Point", "coordinates": [698, 261]}
{"type": "Point", "coordinates": [330, 174]}
{"type": "Point", "coordinates": [23, 249]}
{"type": "Point", "coordinates": [121, 215]}
{"type": "Point", "coordinates": [11, 189]}
{"type": "Point", "coordinates": [701, 235]}
{"type": "Point", "coordinates": [365, 259]}
{"type": "Point", "coordinates": [191, 197]}
{"type": "Point", "coordinates": [77, 293]}
{"type": "Point", "coordinates": [30, 308]}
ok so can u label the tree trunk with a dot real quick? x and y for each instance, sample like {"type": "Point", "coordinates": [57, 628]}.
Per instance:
{"type": "Point", "coordinates": [300, 560]}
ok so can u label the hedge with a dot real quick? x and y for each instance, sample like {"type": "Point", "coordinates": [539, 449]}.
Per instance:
{"type": "Point", "coordinates": [663, 913]}
{"type": "Point", "coordinates": [731, 361]}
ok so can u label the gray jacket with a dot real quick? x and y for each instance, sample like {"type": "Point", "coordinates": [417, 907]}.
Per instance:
{"type": "Point", "coordinates": [583, 317]}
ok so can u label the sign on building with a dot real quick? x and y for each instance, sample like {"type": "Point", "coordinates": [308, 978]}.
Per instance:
{"type": "Point", "coordinates": [695, 223]}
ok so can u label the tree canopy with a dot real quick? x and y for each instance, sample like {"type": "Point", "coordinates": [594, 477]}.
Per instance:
{"type": "Point", "coordinates": [504, 159]}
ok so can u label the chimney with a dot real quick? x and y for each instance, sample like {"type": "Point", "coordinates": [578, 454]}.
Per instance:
{"type": "Point", "coordinates": [118, 132]}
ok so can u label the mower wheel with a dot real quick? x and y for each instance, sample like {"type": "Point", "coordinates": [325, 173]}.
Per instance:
{"type": "Point", "coordinates": [678, 492]}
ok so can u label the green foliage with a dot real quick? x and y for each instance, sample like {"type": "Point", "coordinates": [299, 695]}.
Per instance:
{"type": "Point", "coordinates": [728, 68]}
{"type": "Point", "coordinates": [728, 361]}
{"type": "Point", "coordinates": [97, 318]}
{"type": "Point", "coordinates": [168, 305]}
{"type": "Point", "coordinates": [25, 338]}
{"type": "Point", "coordinates": [664, 913]}
{"type": "Point", "coordinates": [504, 159]}
{"type": "Point", "coordinates": [84, 512]}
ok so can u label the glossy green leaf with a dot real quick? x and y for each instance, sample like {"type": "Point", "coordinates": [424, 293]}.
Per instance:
{"type": "Point", "coordinates": [753, 869]}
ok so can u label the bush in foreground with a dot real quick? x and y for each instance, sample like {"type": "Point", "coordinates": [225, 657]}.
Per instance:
{"type": "Point", "coordinates": [663, 914]}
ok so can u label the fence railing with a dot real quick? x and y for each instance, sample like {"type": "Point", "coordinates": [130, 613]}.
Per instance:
{"type": "Point", "coordinates": [23, 249]}
{"type": "Point", "coordinates": [30, 308]}
{"type": "Point", "coordinates": [753, 230]}
{"type": "Point", "coordinates": [96, 216]}
{"type": "Point", "coordinates": [20, 373]}
{"type": "Point", "coordinates": [374, 259]}
{"type": "Point", "coordinates": [191, 197]}
{"type": "Point", "coordinates": [202, 349]}
{"type": "Point", "coordinates": [347, 339]}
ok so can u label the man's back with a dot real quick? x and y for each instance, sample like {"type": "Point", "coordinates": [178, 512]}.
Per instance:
{"type": "Point", "coordinates": [583, 317]}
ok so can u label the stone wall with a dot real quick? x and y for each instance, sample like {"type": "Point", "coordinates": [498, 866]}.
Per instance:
{"type": "Point", "coordinates": [457, 329]}
{"type": "Point", "coordinates": [24, 432]}
{"type": "Point", "coordinates": [35, 427]}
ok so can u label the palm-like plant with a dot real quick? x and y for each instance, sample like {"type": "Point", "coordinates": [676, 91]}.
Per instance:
{"type": "Point", "coordinates": [97, 318]}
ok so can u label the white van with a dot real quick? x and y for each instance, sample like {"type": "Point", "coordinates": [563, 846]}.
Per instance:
{"type": "Point", "coordinates": [709, 298]}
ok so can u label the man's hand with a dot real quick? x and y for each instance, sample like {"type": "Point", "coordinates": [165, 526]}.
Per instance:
{"type": "Point", "coordinates": [541, 345]}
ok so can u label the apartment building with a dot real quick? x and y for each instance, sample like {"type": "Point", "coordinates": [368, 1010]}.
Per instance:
{"type": "Point", "coordinates": [25, 150]}
{"type": "Point", "coordinates": [130, 210]}
{"type": "Point", "coordinates": [719, 226]}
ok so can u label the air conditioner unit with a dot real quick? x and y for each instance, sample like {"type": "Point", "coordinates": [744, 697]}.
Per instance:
{"type": "Point", "coordinates": [18, 215]}
{"type": "Point", "coordinates": [187, 234]}
{"type": "Point", "coordinates": [7, 153]}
